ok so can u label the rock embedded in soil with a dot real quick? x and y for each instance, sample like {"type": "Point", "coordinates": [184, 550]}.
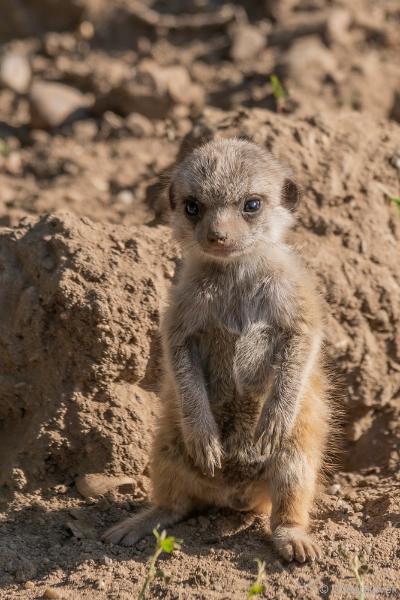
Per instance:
{"type": "Point", "coordinates": [247, 42]}
{"type": "Point", "coordinates": [52, 104]}
{"type": "Point", "coordinates": [97, 484]}
{"type": "Point", "coordinates": [52, 594]}
{"type": "Point", "coordinates": [15, 72]}
{"type": "Point", "coordinates": [308, 63]}
{"type": "Point", "coordinates": [153, 92]}
{"type": "Point", "coordinates": [79, 315]}
{"type": "Point", "coordinates": [338, 26]}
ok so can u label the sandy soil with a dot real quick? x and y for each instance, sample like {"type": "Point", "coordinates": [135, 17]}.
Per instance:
{"type": "Point", "coordinates": [86, 258]}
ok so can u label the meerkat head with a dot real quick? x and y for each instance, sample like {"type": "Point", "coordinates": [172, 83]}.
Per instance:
{"type": "Point", "coordinates": [228, 197]}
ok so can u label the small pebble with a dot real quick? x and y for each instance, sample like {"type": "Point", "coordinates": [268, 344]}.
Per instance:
{"type": "Point", "coordinates": [125, 197]}
{"type": "Point", "coordinates": [100, 184]}
{"type": "Point", "coordinates": [52, 593]}
{"type": "Point", "coordinates": [29, 585]}
{"type": "Point", "coordinates": [15, 72]}
{"type": "Point", "coordinates": [334, 489]}
{"type": "Point", "coordinates": [86, 30]}
{"type": "Point", "coordinates": [52, 103]}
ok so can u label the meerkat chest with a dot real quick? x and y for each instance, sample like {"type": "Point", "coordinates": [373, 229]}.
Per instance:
{"type": "Point", "coordinates": [233, 309]}
{"type": "Point", "coordinates": [227, 316]}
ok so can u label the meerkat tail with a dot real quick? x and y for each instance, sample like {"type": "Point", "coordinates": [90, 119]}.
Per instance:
{"type": "Point", "coordinates": [131, 530]}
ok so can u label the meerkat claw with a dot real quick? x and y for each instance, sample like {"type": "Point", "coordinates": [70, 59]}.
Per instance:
{"type": "Point", "coordinates": [292, 543]}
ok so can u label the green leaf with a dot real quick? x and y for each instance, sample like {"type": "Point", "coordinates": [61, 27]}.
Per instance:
{"type": "Point", "coordinates": [4, 148]}
{"type": "Point", "coordinates": [169, 544]}
{"type": "Point", "coordinates": [277, 89]}
{"type": "Point", "coordinates": [256, 588]}
{"type": "Point", "coordinates": [396, 201]}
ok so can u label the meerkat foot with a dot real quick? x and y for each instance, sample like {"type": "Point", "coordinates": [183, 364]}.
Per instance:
{"type": "Point", "coordinates": [293, 543]}
{"type": "Point", "coordinates": [131, 530]}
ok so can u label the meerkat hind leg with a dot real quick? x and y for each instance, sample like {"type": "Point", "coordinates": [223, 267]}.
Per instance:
{"type": "Point", "coordinates": [291, 504]}
{"type": "Point", "coordinates": [131, 530]}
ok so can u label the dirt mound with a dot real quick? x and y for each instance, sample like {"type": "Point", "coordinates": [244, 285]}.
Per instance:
{"type": "Point", "coordinates": [79, 316]}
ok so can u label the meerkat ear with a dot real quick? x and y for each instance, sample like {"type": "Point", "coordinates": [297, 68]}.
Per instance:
{"type": "Point", "coordinates": [172, 199]}
{"type": "Point", "coordinates": [291, 194]}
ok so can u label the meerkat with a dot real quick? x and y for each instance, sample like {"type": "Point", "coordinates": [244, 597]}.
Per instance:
{"type": "Point", "coordinates": [245, 408]}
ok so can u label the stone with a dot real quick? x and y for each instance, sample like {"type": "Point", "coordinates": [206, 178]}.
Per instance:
{"type": "Point", "coordinates": [247, 42]}
{"type": "Point", "coordinates": [52, 594]}
{"type": "Point", "coordinates": [97, 484]}
{"type": "Point", "coordinates": [52, 104]}
{"type": "Point", "coordinates": [338, 26]}
{"type": "Point", "coordinates": [15, 72]}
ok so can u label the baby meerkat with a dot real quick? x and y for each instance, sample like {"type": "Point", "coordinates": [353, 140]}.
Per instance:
{"type": "Point", "coordinates": [245, 406]}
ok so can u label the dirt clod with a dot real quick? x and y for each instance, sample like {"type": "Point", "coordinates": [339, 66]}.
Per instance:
{"type": "Point", "coordinates": [52, 104]}
{"type": "Point", "coordinates": [52, 594]}
{"type": "Point", "coordinates": [97, 484]}
{"type": "Point", "coordinates": [15, 72]}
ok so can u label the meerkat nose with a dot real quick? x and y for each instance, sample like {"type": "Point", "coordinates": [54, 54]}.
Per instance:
{"type": "Point", "coordinates": [217, 236]}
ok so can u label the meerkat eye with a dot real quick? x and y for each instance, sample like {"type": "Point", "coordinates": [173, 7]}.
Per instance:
{"type": "Point", "coordinates": [192, 207]}
{"type": "Point", "coordinates": [252, 205]}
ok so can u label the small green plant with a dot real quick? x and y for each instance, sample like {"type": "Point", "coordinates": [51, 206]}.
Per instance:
{"type": "Point", "coordinates": [166, 544]}
{"type": "Point", "coordinates": [258, 587]}
{"type": "Point", "coordinates": [4, 148]}
{"type": "Point", "coordinates": [359, 567]}
{"type": "Point", "coordinates": [278, 92]}
{"type": "Point", "coordinates": [391, 197]}
{"type": "Point", "coordinates": [396, 201]}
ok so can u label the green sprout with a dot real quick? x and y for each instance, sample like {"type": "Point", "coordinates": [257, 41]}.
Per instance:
{"type": "Point", "coordinates": [396, 201]}
{"type": "Point", "coordinates": [4, 148]}
{"type": "Point", "coordinates": [391, 197]}
{"type": "Point", "coordinates": [258, 587]}
{"type": "Point", "coordinates": [166, 544]}
{"type": "Point", "coordinates": [278, 92]}
{"type": "Point", "coordinates": [359, 568]}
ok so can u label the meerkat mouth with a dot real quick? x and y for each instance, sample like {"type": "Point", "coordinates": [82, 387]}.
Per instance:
{"type": "Point", "coordinates": [222, 251]}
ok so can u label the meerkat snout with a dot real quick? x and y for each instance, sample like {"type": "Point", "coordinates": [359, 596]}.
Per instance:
{"type": "Point", "coordinates": [216, 236]}
{"type": "Point", "coordinates": [229, 196]}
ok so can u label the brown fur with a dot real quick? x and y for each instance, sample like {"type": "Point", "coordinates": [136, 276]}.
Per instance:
{"type": "Point", "coordinates": [245, 406]}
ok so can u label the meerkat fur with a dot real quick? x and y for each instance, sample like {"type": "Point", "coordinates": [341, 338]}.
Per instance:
{"type": "Point", "coordinates": [245, 409]}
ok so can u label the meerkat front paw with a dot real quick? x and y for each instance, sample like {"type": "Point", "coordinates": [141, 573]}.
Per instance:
{"type": "Point", "coordinates": [271, 432]}
{"type": "Point", "coordinates": [205, 450]}
{"type": "Point", "coordinates": [293, 543]}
